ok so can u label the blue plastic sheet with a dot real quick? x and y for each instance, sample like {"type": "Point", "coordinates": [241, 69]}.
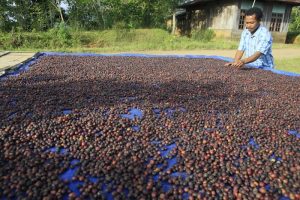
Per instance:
{"type": "Point", "coordinates": [275, 158]}
{"type": "Point", "coordinates": [133, 113]}
{"type": "Point", "coordinates": [12, 115]}
{"type": "Point", "coordinates": [179, 174]}
{"type": "Point", "coordinates": [171, 56]}
{"type": "Point", "coordinates": [26, 66]}
{"type": "Point", "coordinates": [21, 68]}
{"type": "Point", "coordinates": [268, 187]}
{"type": "Point", "coordinates": [166, 186]}
{"type": "Point", "coordinates": [74, 185]}
{"type": "Point", "coordinates": [107, 195]}
{"type": "Point", "coordinates": [182, 56]}
{"type": "Point", "coordinates": [284, 198]}
{"type": "Point", "coordinates": [253, 143]}
{"type": "Point", "coordinates": [128, 99]}
{"type": "Point", "coordinates": [61, 151]}
{"type": "Point", "coordinates": [167, 150]}
{"type": "Point", "coordinates": [93, 179]}
{"type": "Point", "coordinates": [69, 174]}
{"type": "Point", "coordinates": [171, 162]}
{"type": "Point", "coordinates": [294, 133]}
{"type": "Point", "coordinates": [137, 113]}
{"type": "Point", "coordinates": [136, 128]}
{"type": "Point", "coordinates": [67, 111]}
{"type": "Point", "coordinates": [75, 162]}
{"type": "Point", "coordinates": [185, 196]}
{"type": "Point", "coordinates": [169, 112]}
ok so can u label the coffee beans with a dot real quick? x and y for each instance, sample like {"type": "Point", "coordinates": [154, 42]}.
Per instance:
{"type": "Point", "coordinates": [203, 131]}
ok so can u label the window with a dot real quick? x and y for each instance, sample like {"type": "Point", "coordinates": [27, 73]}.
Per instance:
{"type": "Point", "coordinates": [242, 19]}
{"type": "Point", "coordinates": [245, 5]}
{"type": "Point", "coordinates": [276, 22]}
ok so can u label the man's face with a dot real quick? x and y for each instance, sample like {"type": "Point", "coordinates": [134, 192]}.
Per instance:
{"type": "Point", "coordinates": [251, 22]}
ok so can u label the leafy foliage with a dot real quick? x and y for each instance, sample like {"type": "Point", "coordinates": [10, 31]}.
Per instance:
{"type": "Point", "coordinates": [63, 36]}
{"type": "Point", "coordinates": [109, 41]}
{"type": "Point", "coordinates": [41, 15]}
{"type": "Point", "coordinates": [295, 20]}
{"type": "Point", "coordinates": [203, 35]}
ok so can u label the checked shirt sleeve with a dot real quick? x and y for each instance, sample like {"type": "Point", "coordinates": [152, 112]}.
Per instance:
{"type": "Point", "coordinates": [264, 43]}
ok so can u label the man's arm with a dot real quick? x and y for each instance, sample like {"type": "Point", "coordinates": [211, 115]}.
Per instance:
{"type": "Point", "coordinates": [242, 62]}
{"type": "Point", "coordinates": [252, 58]}
{"type": "Point", "coordinates": [238, 55]}
{"type": "Point", "coordinates": [237, 59]}
{"type": "Point", "coordinates": [239, 63]}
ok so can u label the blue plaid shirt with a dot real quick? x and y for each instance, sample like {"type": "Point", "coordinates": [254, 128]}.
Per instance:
{"type": "Point", "coordinates": [260, 41]}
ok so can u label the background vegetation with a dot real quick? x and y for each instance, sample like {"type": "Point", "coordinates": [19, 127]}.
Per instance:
{"type": "Point", "coordinates": [42, 15]}
{"type": "Point", "coordinates": [295, 20]}
{"type": "Point", "coordinates": [108, 26]}
{"type": "Point", "coordinates": [63, 38]}
{"type": "Point", "coordinates": [102, 24]}
{"type": "Point", "coordinates": [294, 27]}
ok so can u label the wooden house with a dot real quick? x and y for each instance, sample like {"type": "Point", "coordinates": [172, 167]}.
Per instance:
{"type": "Point", "coordinates": [226, 17]}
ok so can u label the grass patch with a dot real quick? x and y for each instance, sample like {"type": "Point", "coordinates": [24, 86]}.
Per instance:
{"type": "Point", "coordinates": [285, 46]}
{"type": "Point", "coordinates": [290, 65]}
{"type": "Point", "coordinates": [107, 41]}
{"type": "Point", "coordinates": [114, 40]}
{"type": "Point", "coordinates": [62, 39]}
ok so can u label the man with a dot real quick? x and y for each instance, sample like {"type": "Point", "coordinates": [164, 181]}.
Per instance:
{"type": "Point", "coordinates": [256, 43]}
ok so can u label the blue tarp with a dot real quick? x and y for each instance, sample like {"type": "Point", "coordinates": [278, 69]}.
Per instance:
{"type": "Point", "coordinates": [171, 56]}
{"type": "Point", "coordinates": [25, 66]}
{"type": "Point", "coordinates": [132, 114]}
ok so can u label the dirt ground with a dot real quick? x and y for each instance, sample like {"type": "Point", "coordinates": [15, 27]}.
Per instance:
{"type": "Point", "coordinates": [8, 60]}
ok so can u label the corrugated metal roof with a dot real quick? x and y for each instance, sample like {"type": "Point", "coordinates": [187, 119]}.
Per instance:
{"type": "Point", "coordinates": [297, 2]}
{"type": "Point", "coordinates": [187, 3]}
{"type": "Point", "coordinates": [191, 2]}
{"type": "Point", "coordinates": [180, 12]}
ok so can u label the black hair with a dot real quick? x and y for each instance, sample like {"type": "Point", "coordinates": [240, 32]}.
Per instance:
{"type": "Point", "coordinates": [255, 11]}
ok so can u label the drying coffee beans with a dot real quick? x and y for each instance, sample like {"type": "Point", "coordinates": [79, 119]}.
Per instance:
{"type": "Point", "coordinates": [103, 127]}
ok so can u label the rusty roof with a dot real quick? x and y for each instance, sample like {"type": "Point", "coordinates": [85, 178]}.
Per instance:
{"type": "Point", "coordinates": [187, 3]}
{"type": "Point", "coordinates": [297, 2]}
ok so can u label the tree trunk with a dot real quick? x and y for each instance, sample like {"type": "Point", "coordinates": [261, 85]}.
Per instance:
{"type": "Point", "coordinates": [174, 23]}
{"type": "Point", "coordinates": [61, 14]}
{"type": "Point", "coordinates": [56, 5]}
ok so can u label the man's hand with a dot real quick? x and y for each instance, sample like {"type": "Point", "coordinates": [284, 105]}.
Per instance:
{"type": "Point", "coordinates": [228, 64]}
{"type": "Point", "coordinates": [238, 64]}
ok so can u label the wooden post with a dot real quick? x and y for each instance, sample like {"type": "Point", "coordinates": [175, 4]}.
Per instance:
{"type": "Point", "coordinates": [174, 23]}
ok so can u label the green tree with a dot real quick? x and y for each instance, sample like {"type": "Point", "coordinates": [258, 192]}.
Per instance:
{"type": "Point", "coordinates": [31, 14]}
{"type": "Point", "coordinates": [84, 14]}
{"type": "Point", "coordinates": [295, 20]}
{"type": "Point", "coordinates": [161, 11]}
{"type": "Point", "coordinates": [5, 23]}
{"type": "Point", "coordinates": [90, 14]}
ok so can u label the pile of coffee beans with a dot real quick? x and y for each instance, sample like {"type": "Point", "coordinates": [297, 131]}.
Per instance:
{"type": "Point", "coordinates": [113, 127]}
